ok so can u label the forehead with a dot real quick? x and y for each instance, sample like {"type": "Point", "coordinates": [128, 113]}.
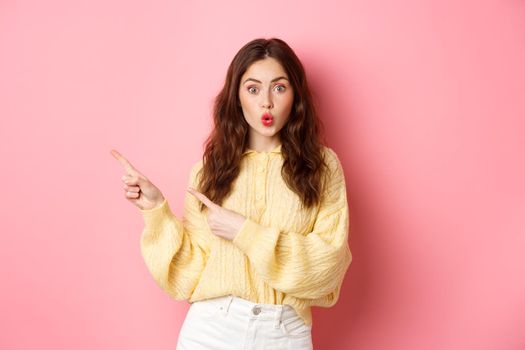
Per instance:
{"type": "Point", "coordinates": [267, 68]}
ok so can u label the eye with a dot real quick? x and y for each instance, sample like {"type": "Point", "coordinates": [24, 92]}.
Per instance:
{"type": "Point", "coordinates": [252, 89]}
{"type": "Point", "coordinates": [281, 87]}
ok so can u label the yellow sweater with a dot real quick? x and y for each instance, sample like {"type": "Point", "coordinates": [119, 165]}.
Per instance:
{"type": "Point", "coordinates": [283, 254]}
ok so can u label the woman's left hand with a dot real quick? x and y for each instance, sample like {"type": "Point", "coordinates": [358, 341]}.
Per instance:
{"type": "Point", "coordinates": [223, 222]}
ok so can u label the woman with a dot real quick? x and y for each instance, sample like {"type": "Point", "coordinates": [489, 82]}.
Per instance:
{"type": "Point", "coordinates": [264, 234]}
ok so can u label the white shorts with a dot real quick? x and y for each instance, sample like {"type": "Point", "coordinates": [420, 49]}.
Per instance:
{"type": "Point", "coordinates": [233, 323]}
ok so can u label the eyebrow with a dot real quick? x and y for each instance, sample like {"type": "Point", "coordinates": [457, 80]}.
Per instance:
{"type": "Point", "coordinates": [257, 81]}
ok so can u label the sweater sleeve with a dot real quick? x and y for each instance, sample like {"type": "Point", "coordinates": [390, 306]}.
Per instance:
{"type": "Point", "coordinates": [173, 249]}
{"type": "Point", "coordinates": [308, 266]}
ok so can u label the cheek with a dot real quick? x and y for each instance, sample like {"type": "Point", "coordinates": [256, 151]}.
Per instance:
{"type": "Point", "coordinates": [287, 103]}
{"type": "Point", "coordinates": [244, 108]}
{"type": "Point", "coordinates": [287, 99]}
{"type": "Point", "coordinates": [246, 102]}
{"type": "Point", "coordinates": [241, 100]}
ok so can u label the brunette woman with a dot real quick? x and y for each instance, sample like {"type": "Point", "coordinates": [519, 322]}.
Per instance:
{"type": "Point", "coordinates": [264, 233]}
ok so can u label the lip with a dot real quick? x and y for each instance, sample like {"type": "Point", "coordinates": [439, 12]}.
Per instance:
{"type": "Point", "coordinates": [267, 119]}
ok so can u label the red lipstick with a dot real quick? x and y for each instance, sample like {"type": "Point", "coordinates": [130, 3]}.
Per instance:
{"type": "Point", "coordinates": [267, 119]}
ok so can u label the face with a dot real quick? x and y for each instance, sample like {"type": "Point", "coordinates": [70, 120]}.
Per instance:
{"type": "Point", "coordinates": [264, 88]}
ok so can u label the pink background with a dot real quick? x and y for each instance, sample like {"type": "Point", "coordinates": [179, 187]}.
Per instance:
{"type": "Point", "coordinates": [423, 102]}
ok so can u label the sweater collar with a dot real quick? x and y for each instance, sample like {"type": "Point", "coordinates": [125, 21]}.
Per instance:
{"type": "Point", "coordinates": [275, 150]}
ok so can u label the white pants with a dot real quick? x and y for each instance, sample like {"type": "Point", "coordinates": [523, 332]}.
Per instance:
{"type": "Point", "coordinates": [233, 323]}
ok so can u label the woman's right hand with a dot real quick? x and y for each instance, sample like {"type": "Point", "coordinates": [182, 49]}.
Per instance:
{"type": "Point", "coordinates": [138, 189]}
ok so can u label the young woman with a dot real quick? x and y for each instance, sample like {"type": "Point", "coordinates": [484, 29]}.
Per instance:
{"type": "Point", "coordinates": [264, 234]}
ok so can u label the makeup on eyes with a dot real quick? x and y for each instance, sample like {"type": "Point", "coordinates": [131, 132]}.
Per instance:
{"type": "Point", "coordinates": [277, 85]}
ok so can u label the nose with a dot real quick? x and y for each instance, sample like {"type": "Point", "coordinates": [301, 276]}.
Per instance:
{"type": "Point", "coordinates": [267, 100]}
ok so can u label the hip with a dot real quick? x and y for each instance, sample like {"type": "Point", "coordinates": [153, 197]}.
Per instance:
{"type": "Point", "coordinates": [230, 322]}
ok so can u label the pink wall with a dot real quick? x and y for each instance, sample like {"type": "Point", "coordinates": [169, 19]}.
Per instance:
{"type": "Point", "coordinates": [423, 102]}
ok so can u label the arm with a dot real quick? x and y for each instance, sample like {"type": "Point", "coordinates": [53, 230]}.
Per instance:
{"type": "Point", "coordinates": [173, 249]}
{"type": "Point", "coordinates": [307, 266]}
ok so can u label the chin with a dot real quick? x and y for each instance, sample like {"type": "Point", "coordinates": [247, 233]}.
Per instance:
{"type": "Point", "coordinates": [269, 131]}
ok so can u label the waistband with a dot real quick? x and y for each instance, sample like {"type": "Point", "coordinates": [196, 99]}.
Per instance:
{"type": "Point", "coordinates": [276, 312]}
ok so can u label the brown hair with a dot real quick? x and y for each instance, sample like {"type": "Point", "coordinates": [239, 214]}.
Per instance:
{"type": "Point", "coordinates": [303, 162]}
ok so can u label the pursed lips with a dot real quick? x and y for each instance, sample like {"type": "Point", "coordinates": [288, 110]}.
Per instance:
{"type": "Point", "coordinates": [267, 119]}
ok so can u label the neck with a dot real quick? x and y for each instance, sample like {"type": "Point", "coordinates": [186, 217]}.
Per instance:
{"type": "Point", "coordinates": [263, 144]}
{"type": "Point", "coordinates": [264, 148]}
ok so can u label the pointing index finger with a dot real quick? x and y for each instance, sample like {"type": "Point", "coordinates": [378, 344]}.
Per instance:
{"type": "Point", "coordinates": [125, 163]}
{"type": "Point", "coordinates": [202, 197]}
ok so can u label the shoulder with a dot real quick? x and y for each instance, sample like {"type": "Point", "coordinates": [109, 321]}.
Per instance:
{"type": "Point", "coordinates": [196, 166]}
{"type": "Point", "coordinates": [334, 177]}
{"type": "Point", "coordinates": [332, 159]}
{"type": "Point", "coordinates": [195, 169]}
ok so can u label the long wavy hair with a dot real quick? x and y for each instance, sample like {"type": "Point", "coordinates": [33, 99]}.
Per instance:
{"type": "Point", "coordinates": [303, 162]}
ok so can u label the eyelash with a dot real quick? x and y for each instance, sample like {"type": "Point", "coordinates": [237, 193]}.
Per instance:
{"type": "Point", "coordinates": [284, 88]}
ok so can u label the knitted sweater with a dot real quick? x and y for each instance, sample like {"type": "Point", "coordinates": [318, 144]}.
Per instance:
{"type": "Point", "coordinates": [282, 254]}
